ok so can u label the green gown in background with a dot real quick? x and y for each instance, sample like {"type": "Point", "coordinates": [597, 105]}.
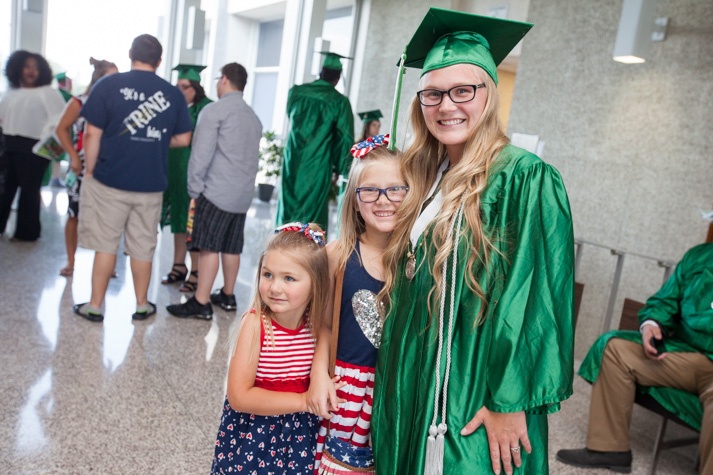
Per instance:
{"type": "Point", "coordinates": [519, 358]}
{"type": "Point", "coordinates": [684, 308]}
{"type": "Point", "coordinates": [321, 135]}
{"type": "Point", "coordinates": [175, 198]}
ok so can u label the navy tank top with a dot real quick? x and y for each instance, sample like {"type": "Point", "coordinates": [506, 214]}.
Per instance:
{"type": "Point", "coordinates": [359, 317]}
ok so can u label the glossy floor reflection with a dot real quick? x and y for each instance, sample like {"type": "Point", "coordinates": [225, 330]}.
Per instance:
{"type": "Point", "coordinates": [134, 398]}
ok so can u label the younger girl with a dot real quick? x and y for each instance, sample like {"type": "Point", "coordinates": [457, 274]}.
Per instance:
{"type": "Point", "coordinates": [374, 193]}
{"type": "Point", "coordinates": [265, 427]}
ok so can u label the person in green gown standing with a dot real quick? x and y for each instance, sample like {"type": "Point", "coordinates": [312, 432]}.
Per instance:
{"type": "Point", "coordinates": [371, 125]}
{"type": "Point", "coordinates": [318, 143]}
{"type": "Point", "coordinates": [477, 344]}
{"type": "Point", "coordinates": [175, 199]}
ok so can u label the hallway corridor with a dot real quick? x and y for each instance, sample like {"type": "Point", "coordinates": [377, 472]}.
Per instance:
{"type": "Point", "coordinates": [127, 397]}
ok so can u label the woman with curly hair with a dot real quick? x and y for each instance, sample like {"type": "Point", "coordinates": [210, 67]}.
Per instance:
{"type": "Point", "coordinates": [25, 110]}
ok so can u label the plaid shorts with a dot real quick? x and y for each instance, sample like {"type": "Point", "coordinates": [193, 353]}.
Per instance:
{"type": "Point", "coordinates": [216, 230]}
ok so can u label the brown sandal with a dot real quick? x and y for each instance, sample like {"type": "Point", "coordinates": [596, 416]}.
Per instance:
{"type": "Point", "coordinates": [189, 285]}
{"type": "Point", "coordinates": [175, 275]}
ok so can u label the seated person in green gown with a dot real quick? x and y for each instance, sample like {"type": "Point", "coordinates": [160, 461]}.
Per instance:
{"type": "Point", "coordinates": [672, 353]}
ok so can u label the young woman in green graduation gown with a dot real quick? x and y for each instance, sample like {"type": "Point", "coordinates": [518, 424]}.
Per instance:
{"type": "Point", "coordinates": [477, 343]}
{"type": "Point", "coordinates": [176, 201]}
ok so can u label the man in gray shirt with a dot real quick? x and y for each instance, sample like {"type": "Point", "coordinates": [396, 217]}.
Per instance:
{"type": "Point", "coordinates": [221, 177]}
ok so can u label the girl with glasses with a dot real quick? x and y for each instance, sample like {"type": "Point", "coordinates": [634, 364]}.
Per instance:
{"type": "Point", "coordinates": [373, 195]}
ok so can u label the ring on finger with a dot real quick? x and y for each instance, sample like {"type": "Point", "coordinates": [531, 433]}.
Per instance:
{"type": "Point", "coordinates": [515, 449]}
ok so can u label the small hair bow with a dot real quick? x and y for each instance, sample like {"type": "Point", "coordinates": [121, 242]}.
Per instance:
{"type": "Point", "coordinates": [297, 227]}
{"type": "Point", "coordinates": [359, 150]}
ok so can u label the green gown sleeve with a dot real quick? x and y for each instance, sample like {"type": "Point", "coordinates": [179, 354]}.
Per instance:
{"type": "Point", "coordinates": [531, 350]}
{"type": "Point", "coordinates": [345, 139]}
{"type": "Point", "coordinates": [684, 304]}
{"type": "Point", "coordinates": [664, 306]}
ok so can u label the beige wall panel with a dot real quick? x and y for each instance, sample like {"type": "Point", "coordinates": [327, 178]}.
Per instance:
{"type": "Point", "coordinates": [633, 142]}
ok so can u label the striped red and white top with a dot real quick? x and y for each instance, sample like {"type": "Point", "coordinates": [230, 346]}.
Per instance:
{"type": "Point", "coordinates": [285, 363]}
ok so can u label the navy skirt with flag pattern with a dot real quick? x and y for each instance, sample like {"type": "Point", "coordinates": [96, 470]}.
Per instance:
{"type": "Point", "coordinates": [265, 445]}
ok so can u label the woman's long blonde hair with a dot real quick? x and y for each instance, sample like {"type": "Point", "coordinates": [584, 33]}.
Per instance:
{"type": "Point", "coordinates": [464, 183]}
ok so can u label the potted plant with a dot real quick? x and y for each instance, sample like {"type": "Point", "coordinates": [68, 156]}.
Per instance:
{"type": "Point", "coordinates": [270, 164]}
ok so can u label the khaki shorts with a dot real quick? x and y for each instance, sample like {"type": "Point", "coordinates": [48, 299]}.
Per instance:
{"type": "Point", "coordinates": [108, 212]}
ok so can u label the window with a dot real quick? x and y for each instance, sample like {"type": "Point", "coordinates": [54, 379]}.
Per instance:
{"type": "Point", "coordinates": [5, 43]}
{"type": "Point", "coordinates": [266, 69]}
{"type": "Point", "coordinates": [337, 29]}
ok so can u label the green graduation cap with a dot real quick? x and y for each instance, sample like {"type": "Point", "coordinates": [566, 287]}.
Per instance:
{"type": "Point", "coordinates": [447, 37]}
{"type": "Point", "coordinates": [332, 60]}
{"type": "Point", "coordinates": [192, 72]}
{"type": "Point", "coordinates": [370, 115]}
{"type": "Point", "coordinates": [60, 77]}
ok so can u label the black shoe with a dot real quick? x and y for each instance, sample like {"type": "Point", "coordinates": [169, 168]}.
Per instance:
{"type": "Point", "coordinates": [82, 309]}
{"type": "Point", "coordinates": [226, 302]}
{"type": "Point", "coordinates": [191, 309]}
{"type": "Point", "coordinates": [615, 461]}
{"type": "Point", "coordinates": [145, 314]}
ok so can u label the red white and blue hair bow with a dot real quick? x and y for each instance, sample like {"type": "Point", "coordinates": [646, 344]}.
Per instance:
{"type": "Point", "coordinates": [297, 227]}
{"type": "Point", "coordinates": [360, 149]}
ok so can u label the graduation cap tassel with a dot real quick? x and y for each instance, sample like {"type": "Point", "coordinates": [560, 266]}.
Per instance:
{"type": "Point", "coordinates": [397, 99]}
{"type": "Point", "coordinates": [435, 445]}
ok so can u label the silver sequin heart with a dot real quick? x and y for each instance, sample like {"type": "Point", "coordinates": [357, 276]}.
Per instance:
{"type": "Point", "coordinates": [367, 315]}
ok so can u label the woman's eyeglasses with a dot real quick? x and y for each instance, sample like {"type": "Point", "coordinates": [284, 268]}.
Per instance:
{"type": "Point", "coordinates": [184, 87]}
{"type": "Point", "coordinates": [370, 194]}
{"type": "Point", "coordinates": [458, 94]}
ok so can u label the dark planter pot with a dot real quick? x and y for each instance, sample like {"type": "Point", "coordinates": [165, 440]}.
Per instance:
{"type": "Point", "coordinates": [264, 192]}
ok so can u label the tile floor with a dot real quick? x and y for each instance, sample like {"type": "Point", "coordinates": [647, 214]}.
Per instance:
{"type": "Point", "coordinates": [134, 398]}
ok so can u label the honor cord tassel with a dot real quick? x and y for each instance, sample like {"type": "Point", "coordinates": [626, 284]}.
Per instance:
{"type": "Point", "coordinates": [435, 444]}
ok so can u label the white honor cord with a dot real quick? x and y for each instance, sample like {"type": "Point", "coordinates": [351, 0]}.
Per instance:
{"type": "Point", "coordinates": [436, 433]}
{"type": "Point", "coordinates": [449, 342]}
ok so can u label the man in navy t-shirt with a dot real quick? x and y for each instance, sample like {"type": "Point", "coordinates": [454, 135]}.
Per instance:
{"type": "Point", "coordinates": [132, 120]}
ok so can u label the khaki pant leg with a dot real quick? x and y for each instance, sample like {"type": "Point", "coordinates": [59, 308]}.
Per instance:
{"type": "Point", "coordinates": [623, 366]}
{"type": "Point", "coordinates": [706, 442]}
